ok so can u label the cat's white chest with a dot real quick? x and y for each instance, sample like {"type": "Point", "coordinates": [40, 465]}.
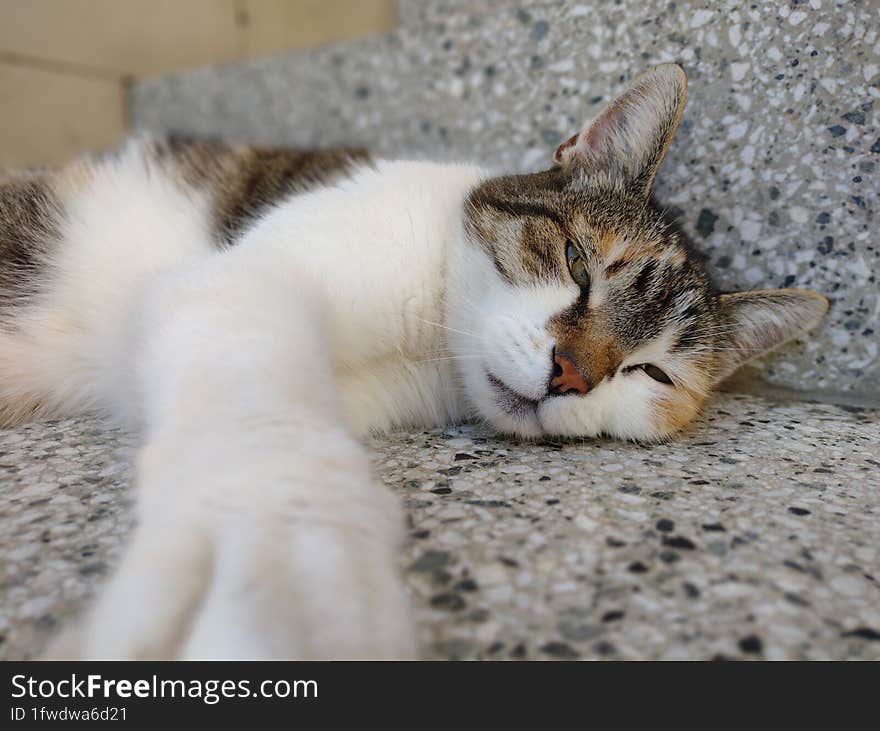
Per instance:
{"type": "Point", "coordinates": [373, 250]}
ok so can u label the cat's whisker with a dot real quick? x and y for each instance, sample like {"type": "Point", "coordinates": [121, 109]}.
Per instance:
{"type": "Point", "coordinates": [453, 350]}
{"type": "Point", "coordinates": [453, 353]}
{"type": "Point", "coordinates": [451, 329]}
{"type": "Point", "coordinates": [451, 357]}
{"type": "Point", "coordinates": [467, 300]}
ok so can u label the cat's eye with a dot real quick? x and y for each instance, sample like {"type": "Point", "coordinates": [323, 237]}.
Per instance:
{"type": "Point", "coordinates": [656, 373]}
{"type": "Point", "coordinates": [577, 266]}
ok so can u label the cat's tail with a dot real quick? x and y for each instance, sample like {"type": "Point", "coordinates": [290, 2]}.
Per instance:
{"type": "Point", "coordinates": [76, 243]}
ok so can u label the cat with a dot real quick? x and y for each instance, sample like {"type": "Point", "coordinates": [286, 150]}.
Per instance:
{"type": "Point", "coordinates": [252, 312]}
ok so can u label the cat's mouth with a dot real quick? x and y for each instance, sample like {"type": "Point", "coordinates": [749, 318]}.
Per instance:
{"type": "Point", "coordinates": [512, 402]}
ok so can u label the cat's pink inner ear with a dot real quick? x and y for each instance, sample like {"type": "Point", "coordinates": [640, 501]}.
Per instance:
{"type": "Point", "coordinates": [590, 141]}
{"type": "Point", "coordinates": [565, 152]}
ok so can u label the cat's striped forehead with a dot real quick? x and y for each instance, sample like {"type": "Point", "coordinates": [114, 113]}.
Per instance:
{"type": "Point", "coordinates": [639, 270]}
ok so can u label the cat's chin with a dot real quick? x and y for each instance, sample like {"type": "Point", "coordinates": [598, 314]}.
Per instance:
{"type": "Point", "coordinates": [505, 410]}
{"type": "Point", "coordinates": [520, 427]}
{"type": "Point", "coordinates": [510, 412]}
{"type": "Point", "coordinates": [531, 426]}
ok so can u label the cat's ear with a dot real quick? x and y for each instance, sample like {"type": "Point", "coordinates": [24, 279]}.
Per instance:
{"type": "Point", "coordinates": [626, 143]}
{"type": "Point", "coordinates": [760, 321]}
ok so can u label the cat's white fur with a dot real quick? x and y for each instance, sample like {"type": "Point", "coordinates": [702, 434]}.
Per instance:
{"type": "Point", "coordinates": [251, 372]}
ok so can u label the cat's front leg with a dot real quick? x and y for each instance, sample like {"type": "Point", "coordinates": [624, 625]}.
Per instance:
{"type": "Point", "coordinates": [145, 611]}
{"type": "Point", "coordinates": [252, 549]}
{"type": "Point", "coordinates": [261, 534]}
{"type": "Point", "coordinates": [304, 559]}
{"type": "Point", "coordinates": [301, 544]}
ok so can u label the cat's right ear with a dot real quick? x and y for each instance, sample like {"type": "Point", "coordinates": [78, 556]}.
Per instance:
{"type": "Point", "coordinates": [626, 143]}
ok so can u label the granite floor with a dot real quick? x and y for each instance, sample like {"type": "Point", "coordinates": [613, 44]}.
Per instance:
{"type": "Point", "coordinates": [754, 535]}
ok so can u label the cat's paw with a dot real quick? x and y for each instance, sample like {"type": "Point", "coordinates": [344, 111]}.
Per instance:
{"type": "Point", "coordinates": [145, 610]}
{"type": "Point", "coordinates": [313, 591]}
{"type": "Point", "coordinates": [251, 587]}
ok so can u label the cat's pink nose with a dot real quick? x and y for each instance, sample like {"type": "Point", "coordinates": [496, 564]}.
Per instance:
{"type": "Point", "coordinates": [566, 378]}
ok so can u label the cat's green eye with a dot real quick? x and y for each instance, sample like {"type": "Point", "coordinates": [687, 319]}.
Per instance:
{"type": "Point", "coordinates": [577, 266]}
{"type": "Point", "coordinates": [656, 373]}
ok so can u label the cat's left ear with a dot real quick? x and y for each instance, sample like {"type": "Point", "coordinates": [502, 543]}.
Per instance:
{"type": "Point", "coordinates": [626, 143]}
{"type": "Point", "coordinates": [760, 321]}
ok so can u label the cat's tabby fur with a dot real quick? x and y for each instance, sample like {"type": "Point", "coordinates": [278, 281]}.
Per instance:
{"type": "Point", "coordinates": [252, 311]}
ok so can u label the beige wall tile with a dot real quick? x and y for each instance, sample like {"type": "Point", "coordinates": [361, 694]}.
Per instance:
{"type": "Point", "coordinates": [48, 117]}
{"type": "Point", "coordinates": [123, 37]}
{"type": "Point", "coordinates": [62, 61]}
{"type": "Point", "coordinates": [151, 37]}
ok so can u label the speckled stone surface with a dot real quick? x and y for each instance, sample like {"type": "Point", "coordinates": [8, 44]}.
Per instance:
{"type": "Point", "coordinates": [774, 171]}
{"type": "Point", "coordinates": [755, 535]}
{"type": "Point", "coordinates": [65, 510]}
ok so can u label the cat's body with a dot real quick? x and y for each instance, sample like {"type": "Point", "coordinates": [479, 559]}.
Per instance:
{"type": "Point", "coordinates": [252, 312]}
{"type": "Point", "coordinates": [135, 215]}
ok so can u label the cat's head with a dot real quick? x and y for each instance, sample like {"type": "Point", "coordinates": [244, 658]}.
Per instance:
{"type": "Point", "coordinates": [579, 312]}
